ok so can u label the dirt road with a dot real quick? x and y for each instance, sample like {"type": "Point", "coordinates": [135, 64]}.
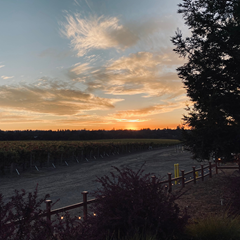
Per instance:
{"type": "Point", "coordinates": [67, 182]}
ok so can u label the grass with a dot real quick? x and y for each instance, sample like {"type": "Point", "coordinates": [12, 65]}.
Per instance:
{"type": "Point", "coordinates": [221, 227]}
{"type": "Point", "coordinates": [135, 237]}
{"type": "Point", "coordinates": [216, 227]}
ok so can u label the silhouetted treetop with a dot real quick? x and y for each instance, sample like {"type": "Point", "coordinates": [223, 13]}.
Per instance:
{"type": "Point", "coordinates": [211, 74]}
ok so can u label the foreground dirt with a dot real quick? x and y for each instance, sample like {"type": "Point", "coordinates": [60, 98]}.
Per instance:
{"type": "Point", "coordinates": [211, 197]}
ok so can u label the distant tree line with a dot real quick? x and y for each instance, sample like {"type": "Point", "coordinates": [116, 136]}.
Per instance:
{"type": "Point", "coordinates": [71, 135]}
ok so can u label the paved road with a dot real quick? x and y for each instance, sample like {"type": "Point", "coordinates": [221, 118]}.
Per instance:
{"type": "Point", "coordinates": [66, 183]}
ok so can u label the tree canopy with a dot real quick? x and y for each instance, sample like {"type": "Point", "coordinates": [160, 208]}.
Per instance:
{"type": "Point", "coordinates": [211, 75]}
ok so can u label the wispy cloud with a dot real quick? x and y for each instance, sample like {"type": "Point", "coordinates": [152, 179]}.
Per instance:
{"type": "Point", "coordinates": [7, 77]}
{"type": "Point", "coordinates": [86, 119]}
{"type": "Point", "coordinates": [107, 32]}
{"type": "Point", "coordinates": [150, 74]}
{"type": "Point", "coordinates": [80, 68]}
{"type": "Point", "coordinates": [76, 2]}
{"type": "Point", "coordinates": [51, 97]}
{"type": "Point", "coordinates": [97, 33]}
{"type": "Point", "coordinates": [18, 117]}
{"type": "Point", "coordinates": [1, 66]}
{"type": "Point", "coordinates": [143, 114]}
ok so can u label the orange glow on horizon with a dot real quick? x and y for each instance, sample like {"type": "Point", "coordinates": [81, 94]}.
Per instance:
{"type": "Point", "coordinates": [139, 126]}
{"type": "Point", "coordinates": [131, 126]}
{"type": "Point", "coordinates": [170, 123]}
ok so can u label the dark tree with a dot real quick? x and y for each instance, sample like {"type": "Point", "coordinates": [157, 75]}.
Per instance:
{"type": "Point", "coordinates": [211, 75]}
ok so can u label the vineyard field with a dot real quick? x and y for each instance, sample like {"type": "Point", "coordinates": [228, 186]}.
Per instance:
{"type": "Point", "coordinates": [27, 154]}
{"type": "Point", "coordinates": [160, 142]}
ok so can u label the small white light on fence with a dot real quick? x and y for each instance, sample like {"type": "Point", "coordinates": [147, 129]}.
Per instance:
{"type": "Point", "coordinates": [172, 184]}
{"type": "Point", "coordinates": [61, 217]}
{"type": "Point", "coordinates": [94, 214]}
{"type": "Point", "coordinates": [79, 217]}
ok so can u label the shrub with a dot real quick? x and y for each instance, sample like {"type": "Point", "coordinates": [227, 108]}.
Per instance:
{"type": "Point", "coordinates": [6, 230]}
{"type": "Point", "coordinates": [70, 228]}
{"type": "Point", "coordinates": [21, 219]}
{"type": "Point", "coordinates": [215, 228]}
{"type": "Point", "coordinates": [130, 200]}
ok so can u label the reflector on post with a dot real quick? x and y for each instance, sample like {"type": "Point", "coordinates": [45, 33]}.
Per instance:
{"type": "Point", "coordinates": [176, 172]}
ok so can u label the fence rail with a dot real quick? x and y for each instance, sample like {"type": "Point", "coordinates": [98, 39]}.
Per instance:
{"type": "Point", "coordinates": [83, 204]}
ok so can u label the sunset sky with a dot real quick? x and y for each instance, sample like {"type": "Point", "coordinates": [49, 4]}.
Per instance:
{"type": "Point", "coordinates": [93, 64]}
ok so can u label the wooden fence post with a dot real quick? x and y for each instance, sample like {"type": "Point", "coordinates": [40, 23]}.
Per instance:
{"type": "Point", "coordinates": [48, 209]}
{"type": "Point", "coordinates": [210, 169]}
{"type": "Point", "coordinates": [84, 193]}
{"type": "Point", "coordinates": [202, 172]}
{"type": "Point", "coordinates": [183, 178]}
{"type": "Point", "coordinates": [216, 163]}
{"type": "Point", "coordinates": [169, 182]}
{"type": "Point", "coordinates": [194, 175]}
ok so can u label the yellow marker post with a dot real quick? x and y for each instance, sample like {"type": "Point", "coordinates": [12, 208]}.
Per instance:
{"type": "Point", "coordinates": [176, 172]}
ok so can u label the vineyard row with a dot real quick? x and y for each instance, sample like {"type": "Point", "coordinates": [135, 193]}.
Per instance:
{"type": "Point", "coordinates": [27, 154]}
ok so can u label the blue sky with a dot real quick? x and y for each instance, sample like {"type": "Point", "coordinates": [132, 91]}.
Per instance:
{"type": "Point", "coordinates": [93, 64]}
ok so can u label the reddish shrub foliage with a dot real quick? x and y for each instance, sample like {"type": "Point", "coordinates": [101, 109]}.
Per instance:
{"type": "Point", "coordinates": [134, 202]}
{"type": "Point", "coordinates": [22, 219]}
